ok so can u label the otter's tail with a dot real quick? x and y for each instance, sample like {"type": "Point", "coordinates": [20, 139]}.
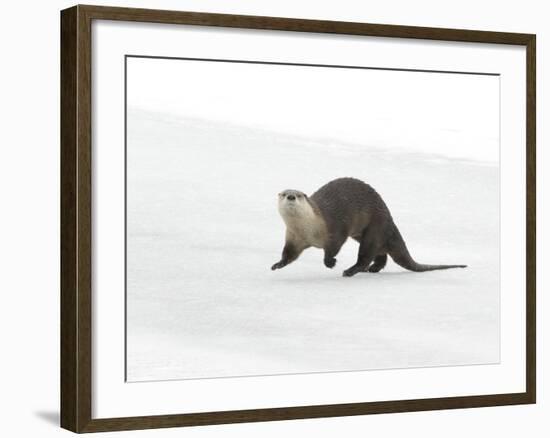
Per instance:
{"type": "Point", "coordinates": [400, 255]}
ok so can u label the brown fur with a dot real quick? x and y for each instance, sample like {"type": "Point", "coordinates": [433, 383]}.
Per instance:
{"type": "Point", "coordinates": [345, 207]}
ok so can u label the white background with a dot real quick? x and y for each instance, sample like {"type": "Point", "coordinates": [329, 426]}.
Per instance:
{"type": "Point", "coordinates": [30, 219]}
{"type": "Point", "coordinates": [437, 114]}
{"type": "Point", "coordinates": [112, 398]}
{"type": "Point", "coordinates": [462, 110]}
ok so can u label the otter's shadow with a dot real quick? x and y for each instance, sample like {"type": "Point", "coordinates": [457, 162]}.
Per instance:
{"type": "Point", "coordinates": [339, 278]}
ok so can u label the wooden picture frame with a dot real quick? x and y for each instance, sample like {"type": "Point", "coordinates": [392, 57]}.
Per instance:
{"type": "Point", "coordinates": [76, 218]}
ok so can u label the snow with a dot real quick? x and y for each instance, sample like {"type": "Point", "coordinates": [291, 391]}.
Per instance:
{"type": "Point", "coordinates": [203, 230]}
{"type": "Point", "coordinates": [396, 110]}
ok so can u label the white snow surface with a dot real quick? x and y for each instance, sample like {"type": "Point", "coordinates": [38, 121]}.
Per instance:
{"type": "Point", "coordinates": [203, 230]}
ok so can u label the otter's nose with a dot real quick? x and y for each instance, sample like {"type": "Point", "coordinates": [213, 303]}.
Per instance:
{"type": "Point", "coordinates": [291, 197]}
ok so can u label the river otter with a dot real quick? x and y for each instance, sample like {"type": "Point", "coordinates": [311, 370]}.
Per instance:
{"type": "Point", "coordinates": [345, 207]}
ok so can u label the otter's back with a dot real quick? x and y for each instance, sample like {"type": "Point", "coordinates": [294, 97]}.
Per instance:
{"type": "Point", "coordinates": [344, 200]}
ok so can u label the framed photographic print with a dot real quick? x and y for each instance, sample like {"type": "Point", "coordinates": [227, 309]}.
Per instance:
{"type": "Point", "coordinates": [272, 218]}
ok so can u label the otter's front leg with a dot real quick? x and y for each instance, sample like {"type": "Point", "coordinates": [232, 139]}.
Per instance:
{"type": "Point", "coordinates": [332, 248]}
{"type": "Point", "coordinates": [290, 253]}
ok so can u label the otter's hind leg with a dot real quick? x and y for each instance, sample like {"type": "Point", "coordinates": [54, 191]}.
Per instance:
{"type": "Point", "coordinates": [369, 247]}
{"type": "Point", "coordinates": [379, 263]}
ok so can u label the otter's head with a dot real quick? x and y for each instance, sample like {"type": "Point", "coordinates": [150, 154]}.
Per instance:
{"type": "Point", "coordinates": [293, 203]}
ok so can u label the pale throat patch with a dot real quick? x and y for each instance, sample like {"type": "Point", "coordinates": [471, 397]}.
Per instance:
{"type": "Point", "coordinates": [303, 225]}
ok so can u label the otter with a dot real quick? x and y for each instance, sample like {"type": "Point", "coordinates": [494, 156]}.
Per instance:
{"type": "Point", "coordinates": [342, 208]}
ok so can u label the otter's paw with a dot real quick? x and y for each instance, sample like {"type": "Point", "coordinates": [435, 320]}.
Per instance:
{"type": "Point", "coordinates": [278, 265]}
{"type": "Point", "coordinates": [330, 262]}
{"type": "Point", "coordinates": [349, 272]}
{"type": "Point", "coordinates": [374, 268]}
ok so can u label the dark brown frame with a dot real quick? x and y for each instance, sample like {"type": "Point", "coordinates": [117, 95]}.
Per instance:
{"type": "Point", "coordinates": [76, 225]}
